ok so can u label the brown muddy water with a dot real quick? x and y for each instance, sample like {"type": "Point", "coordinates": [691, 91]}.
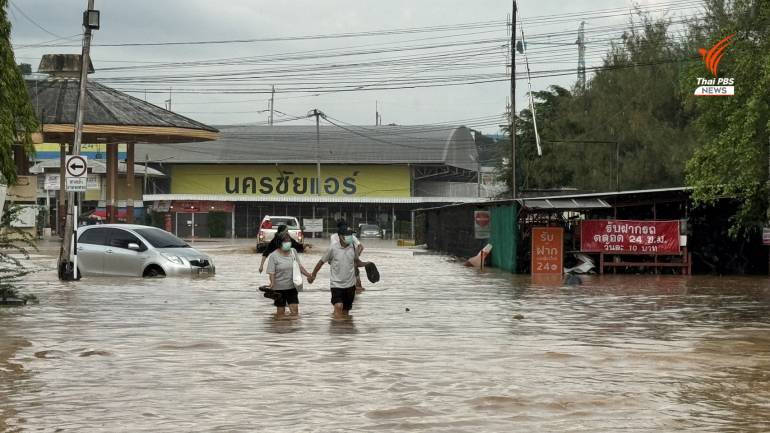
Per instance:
{"type": "Point", "coordinates": [475, 352]}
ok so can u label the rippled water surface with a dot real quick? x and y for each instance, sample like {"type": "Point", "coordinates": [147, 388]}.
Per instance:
{"type": "Point", "coordinates": [473, 352]}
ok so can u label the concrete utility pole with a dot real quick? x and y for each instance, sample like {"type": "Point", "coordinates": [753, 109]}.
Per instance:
{"type": "Point", "coordinates": [272, 106]}
{"type": "Point", "coordinates": [513, 101]}
{"type": "Point", "coordinates": [317, 113]}
{"type": "Point", "coordinates": [68, 254]}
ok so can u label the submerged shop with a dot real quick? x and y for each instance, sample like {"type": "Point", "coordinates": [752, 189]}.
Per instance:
{"type": "Point", "coordinates": [375, 175]}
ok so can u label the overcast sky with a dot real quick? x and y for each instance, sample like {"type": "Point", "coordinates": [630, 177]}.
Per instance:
{"type": "Point", "coordinates": [141, 21]}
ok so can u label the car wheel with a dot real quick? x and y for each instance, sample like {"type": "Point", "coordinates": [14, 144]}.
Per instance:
{"type": "Point", "coordinates": [154, 272]}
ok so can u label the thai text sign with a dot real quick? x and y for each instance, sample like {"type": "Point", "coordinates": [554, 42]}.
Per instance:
{"type": "Point", "coordinates": [292, 180]}
{"type": "Point", "coordinates": [481, 224]}
{"type": "Point", "coordinates": [547, 250]}
{"type": "Point", "coordinates": [629, 236]}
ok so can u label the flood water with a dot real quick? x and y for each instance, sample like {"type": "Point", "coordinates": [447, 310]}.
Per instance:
{"type": "Point", "coordinates": [474, 352]}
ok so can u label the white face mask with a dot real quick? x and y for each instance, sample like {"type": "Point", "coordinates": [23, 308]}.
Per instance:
{"type": "Point", "coordinates": [349, 239]}
{"type": "Point", "coordinates": [286, 246]}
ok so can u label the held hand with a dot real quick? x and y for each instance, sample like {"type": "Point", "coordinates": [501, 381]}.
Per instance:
{"type": "Point", "coordinates": [260, 269]}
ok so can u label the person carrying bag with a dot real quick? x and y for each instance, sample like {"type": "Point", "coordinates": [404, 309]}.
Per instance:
{"type": "Point", "coordinates": [285, 272]}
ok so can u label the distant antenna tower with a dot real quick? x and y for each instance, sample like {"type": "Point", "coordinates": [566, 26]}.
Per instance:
{"type": "Point", "coordinates": [581, 43]}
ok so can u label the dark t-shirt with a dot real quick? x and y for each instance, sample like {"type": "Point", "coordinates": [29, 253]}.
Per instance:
{"type": "Point", "coordinates": [275, 244]}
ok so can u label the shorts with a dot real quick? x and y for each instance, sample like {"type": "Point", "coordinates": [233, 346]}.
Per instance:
{"type": "Point", "coordinates": [284, 297]}
{"type": "Point", "coordinates": [344, 297]}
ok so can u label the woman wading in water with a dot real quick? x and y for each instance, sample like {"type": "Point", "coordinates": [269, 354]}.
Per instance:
{"type": "Point", "coordinates": [280, 268]}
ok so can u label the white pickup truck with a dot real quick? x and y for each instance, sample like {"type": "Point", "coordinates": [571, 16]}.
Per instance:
{"type": "Point", "coordinates": [269, 226]}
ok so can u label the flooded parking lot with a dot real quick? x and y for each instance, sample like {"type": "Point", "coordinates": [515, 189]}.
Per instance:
{"type": "Point", "coordinates": [434, 346]}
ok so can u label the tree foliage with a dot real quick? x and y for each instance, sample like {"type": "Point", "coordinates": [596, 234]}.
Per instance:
{"type": "Point", "coordinates": [17, 119]}
{"type": "Point", "coordinates": [15, 245]}
{"type": "Point", "coordinates": [628, 128]}
{"type": "Point", "coordinates": [733, 158]}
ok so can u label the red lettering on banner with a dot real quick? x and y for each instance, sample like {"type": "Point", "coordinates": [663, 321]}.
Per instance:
{"type": "Point", "coordinates": [629, 236]}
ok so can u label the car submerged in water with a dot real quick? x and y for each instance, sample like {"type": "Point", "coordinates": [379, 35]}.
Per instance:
{"type": "Point", "coordinates": [137, 251]}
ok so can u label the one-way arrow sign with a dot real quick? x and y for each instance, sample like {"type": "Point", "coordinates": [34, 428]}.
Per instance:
{"type": "Point", "coordinates": [77, 166]}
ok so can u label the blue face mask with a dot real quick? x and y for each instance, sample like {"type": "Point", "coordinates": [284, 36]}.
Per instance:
{"type": "Point", "coordinates": [349, 239]}
{"type": "Point", "coordinates": [286, 246]}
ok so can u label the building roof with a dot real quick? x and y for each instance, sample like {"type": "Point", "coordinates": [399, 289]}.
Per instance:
{"type": "Point", "coordinates": [576, 201]}
{"type": "Point", "coordinates": [246, 144]}
{"type": "Point", "coordinates": [110, 115]}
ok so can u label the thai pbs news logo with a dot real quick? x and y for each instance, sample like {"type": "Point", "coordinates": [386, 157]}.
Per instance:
{"type": "Point", "coordinates": [717, 86]}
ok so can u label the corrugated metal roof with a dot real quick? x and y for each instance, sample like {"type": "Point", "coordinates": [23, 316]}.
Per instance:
{"type": "Point", "coordinates": [565, 204]}
{"type": "Point", "coordinates": [308, 199]}
{"type": "Point", "coordinates": [244, 144]}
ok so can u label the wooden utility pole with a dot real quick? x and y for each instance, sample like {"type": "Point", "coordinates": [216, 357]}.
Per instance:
{"type": "Point", "coordinates": [513, 101]}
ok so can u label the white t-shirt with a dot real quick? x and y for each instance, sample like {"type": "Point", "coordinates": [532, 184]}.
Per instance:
{"type": "Point", "coordinates": [343, 266]}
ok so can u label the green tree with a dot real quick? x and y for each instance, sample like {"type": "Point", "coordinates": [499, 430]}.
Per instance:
{"type": "Point", "coordinates": [17, 119]}
{"type": "Point", "coordinates": [629, 123]}
{"type": "Point", "coordinates": [15, 244]}
{"type": "Point", "coordinates": [733, 159]}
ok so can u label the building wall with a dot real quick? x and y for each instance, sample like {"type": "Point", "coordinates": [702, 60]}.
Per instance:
{"type": "Point", "coordinates": [289, 180]}
{"type": "Point", "coordinates": [92, 151]}
{"type": "Point", "coordinates": [451, 230]}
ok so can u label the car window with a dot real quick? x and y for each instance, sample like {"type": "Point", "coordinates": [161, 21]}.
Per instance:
{"type": "Point", "coordinates": [121, 238]}
{"type": "Point", "coordinates": [161, 239]}
{"type": "Point", "coordinates": [370, 227]}
{"type": "Point", "coordinates": [288, 222]}
{"type": "Point", "coordinates": [94, 237]}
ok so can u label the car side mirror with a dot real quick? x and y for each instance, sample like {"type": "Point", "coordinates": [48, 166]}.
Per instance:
{"type": "Point", "coordinates": [134, 246]}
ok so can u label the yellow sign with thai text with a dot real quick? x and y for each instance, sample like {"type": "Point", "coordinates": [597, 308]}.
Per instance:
{"type": "Point", "coordinates": [336, 180]}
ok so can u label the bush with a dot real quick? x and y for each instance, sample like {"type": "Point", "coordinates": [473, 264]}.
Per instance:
{"type": "Point", "coordinates": [15, 243]}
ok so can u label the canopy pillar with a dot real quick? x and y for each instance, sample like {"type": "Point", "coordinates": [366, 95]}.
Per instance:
{"type": "Point", "coordinates": [130, 180]}
{"type": "Point", "coordinates": [112, 183]}
{"type": "Point", "coordinates": [62, 201]}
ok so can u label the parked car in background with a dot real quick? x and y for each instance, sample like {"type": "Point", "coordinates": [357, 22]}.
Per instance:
{"type": "Point", "coordinates": [269, 226]}
{"type": "Point", "coordinates": [137, 251]}
{"type": "Point", "coordinates": [369, 231]}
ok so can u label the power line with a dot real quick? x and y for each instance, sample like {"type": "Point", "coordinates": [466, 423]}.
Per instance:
{"type": "Point", "coordinates": [24, 14]}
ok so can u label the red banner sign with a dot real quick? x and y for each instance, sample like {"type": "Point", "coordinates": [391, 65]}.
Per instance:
{"type": "Point", "coordinates": [629, 236]}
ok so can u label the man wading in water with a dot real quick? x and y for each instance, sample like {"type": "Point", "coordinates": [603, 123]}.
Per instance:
{"type": "Point", "coordinates": [343, 259]}
{"type": "Point", "coordinates": [335, 240]}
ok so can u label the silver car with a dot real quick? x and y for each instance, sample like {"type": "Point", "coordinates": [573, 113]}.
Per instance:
{"type": "Point", "coordinates": [369, 231]}
{"type": "Point", "coordinates": [137, 251]}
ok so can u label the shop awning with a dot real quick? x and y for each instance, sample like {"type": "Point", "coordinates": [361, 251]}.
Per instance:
{"type": "Point", "coordinates": [565, 203]}
{"type": "Point", "coordinates": [308, 199]}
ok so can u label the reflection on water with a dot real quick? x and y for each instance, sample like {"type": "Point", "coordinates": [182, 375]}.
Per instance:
{"type": "Point", "coordinates": [433, 347]}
